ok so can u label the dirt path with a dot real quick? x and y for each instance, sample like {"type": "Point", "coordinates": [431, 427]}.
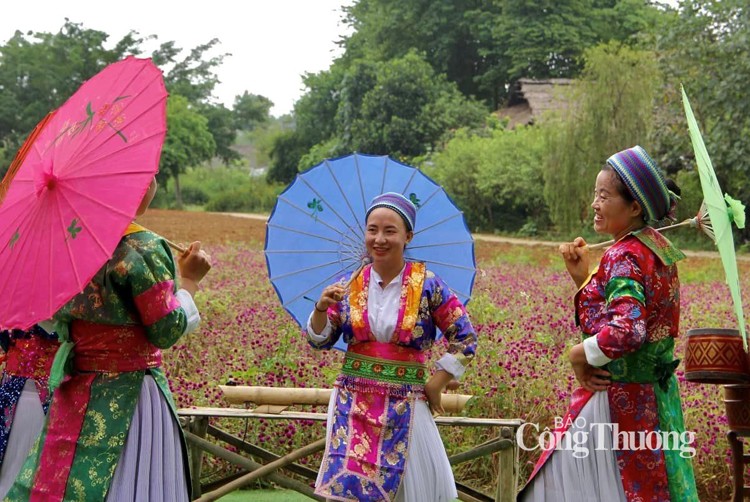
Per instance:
{"type": "Point", "coordinates": [515, 241]}
{"type": "Point", "coordinates": [216, 228]}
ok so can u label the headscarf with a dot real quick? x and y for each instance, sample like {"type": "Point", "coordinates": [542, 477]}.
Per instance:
{"type": "Point", "coordinates": [645, 182]}
{"type": "Point", "coordinates": [396, 202]}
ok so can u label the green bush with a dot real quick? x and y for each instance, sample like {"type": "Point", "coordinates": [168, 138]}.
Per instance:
{"type": "Point", "coordinates": [494, 177]}
{"type": "Point", "coordinates": [221, 189]}
{"type": "Point", "coordinates": [193, 195]}
{"type": "Point", "coordinates": [254, 197]}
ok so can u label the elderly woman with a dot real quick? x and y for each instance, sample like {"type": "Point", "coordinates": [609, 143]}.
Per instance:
{"type": "Point", "coordinates": [623, 437]}
{"type": "Point", "coordinates": [383, 444]}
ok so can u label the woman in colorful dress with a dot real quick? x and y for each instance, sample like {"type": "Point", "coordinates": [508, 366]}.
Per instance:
{"type": "Point", "coordinates": [628, 309]}
{"type": "Point", "coordinates": [24, 396]}
{"type": "Point", "coordinates": [112, 431]}
{"type": "Point", "coordinates": [383, 444]}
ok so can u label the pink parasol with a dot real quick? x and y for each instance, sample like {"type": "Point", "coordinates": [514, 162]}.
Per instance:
{"type": "Point", "coordinates": [77, 189]}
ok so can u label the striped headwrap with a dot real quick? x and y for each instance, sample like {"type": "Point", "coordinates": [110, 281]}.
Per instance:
{"type": "Point", "coordinates": [396, 202]}
{"type": "Point", "coordinates": [646, 184]}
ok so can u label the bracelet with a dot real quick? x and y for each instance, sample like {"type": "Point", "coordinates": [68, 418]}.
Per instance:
{"type": "Point", "coordinates": [316, 308]}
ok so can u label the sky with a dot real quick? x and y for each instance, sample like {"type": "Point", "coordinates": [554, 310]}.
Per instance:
{"type": "Point", "coordinates": [272, 42]}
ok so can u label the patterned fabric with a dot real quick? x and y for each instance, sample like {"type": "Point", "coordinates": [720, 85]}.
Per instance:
{"type": "Point", "coordinates": [385, 368]}
{"type": "Point", "coordinates": [91, 411]}
{"type": "Point", "coordinates": [660, 245]}
{"type": "Point", "coordinates": [29, 356]}
{"type": "Point", "coordinates": [427, 304]}
{"type": "Point", "coordinates": [631, 305]}
{"type": "Point", "coordinates": [644, 181]}
{"type": "Point", "coordinates": [397, 202]}
{"type": "Point", "coordinates": [373, 415]}
{"type": "Point", "coordinates": [381, 382]}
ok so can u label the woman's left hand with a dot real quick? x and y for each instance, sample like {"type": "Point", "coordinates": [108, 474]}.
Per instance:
{"type": "Point", "coordinates": [591, 378]}
{"type": "Point", "coordinates": [434, 388]}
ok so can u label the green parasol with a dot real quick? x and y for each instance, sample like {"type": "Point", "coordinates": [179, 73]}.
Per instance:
{"type": "Point", "coordinates": [723, 210]}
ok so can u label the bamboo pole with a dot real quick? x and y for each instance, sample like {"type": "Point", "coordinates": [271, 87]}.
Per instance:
{"type": "Point", "coordinates": [265, 470]}
{"type": "Point", "coordinates": [506, 476]}
{"type": "Point", "coordinates": [198, 426]}
{"type": "Point", "coordinates": [288, 396]}
{"type": "Point", "coordinates": [480, 451]}
{"type": "Point", "coordinates": [465, 497]}
{"type": "Point", "coordinates": [250, 465]}
{"type": "Point", "coordinates": [174, 246]}
{"type": "Point", "coordinates": [257, 451]}
{"type": "Point", "coordinates": [691, 222]}
{"type": "Point", "coordinates": [279, 396]}
{"type": "Point", "coordinates": [513, 423]}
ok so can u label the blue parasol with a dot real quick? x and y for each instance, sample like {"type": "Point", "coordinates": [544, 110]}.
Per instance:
{"type": "Point", "coordinates": [315, 234]}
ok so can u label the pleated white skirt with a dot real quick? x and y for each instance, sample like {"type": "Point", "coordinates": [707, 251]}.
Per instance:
{"type": "Point", "coordinates": [427, 474]}
{"type": "Point", "coordinates": [151, 465]}
{"type": "Point", "coordinates": [593, 478]}
{"type": "Point", "coordinates": [27, 424]}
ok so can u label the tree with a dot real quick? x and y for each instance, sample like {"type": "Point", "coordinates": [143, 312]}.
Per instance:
{"type": "Point", "coordinates": [546, 39]}
{"type": "Point", "coordinates": [192, 77]}
{"type": "Point", "coordinates": [714, 67]}
{"type": "Point", "coordinates": [440, 29]}
{"type": "Point", "coordinates": [315, 112]}
{"type": "Point", "coordinates": [399, 107]}
{"type": "Point", "coordinates": [188, 143]}
{"type": "Point", "coordinates": [250, 110]}
{"type": "Point", "coordinates": [494, 177]}
{"type": "Point", "coordinates": [220, 122]}
{"type": "Point", "coordinates": [611, 108]}
{"type": "Point", "coordinates": [285, 157]}
{"type": "Point", "coordinates": [485, 45]}
{"type": "Point", "coordinates": [408, 109]}
{"type": "Point", "coordinates": [39, 71]}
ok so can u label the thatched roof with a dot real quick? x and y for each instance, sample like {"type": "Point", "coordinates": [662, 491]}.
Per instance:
{"type": "Point", "coordinates": [529, 99]}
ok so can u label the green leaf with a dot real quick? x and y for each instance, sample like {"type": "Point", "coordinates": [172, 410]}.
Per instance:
{"type": "Point", "coordinates": [14, 239]}
{"type": "Point", "coordinates": [73, 229]}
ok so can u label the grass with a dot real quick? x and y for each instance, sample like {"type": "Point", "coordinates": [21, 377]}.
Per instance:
{"type": "Point", "coordinates": [264, 496]}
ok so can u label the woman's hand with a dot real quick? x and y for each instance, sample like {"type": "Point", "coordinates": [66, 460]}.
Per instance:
{"type": "Point", "coordinates": [434, 388]}
{"type": "Point", "coordinates": [576, 257]}
{"type": "Point", "coordinates": [330, 296]}
{"type": "Point", "coordinates": [193, 264]}
{"type": "Point", "coordinates": [590, 377]}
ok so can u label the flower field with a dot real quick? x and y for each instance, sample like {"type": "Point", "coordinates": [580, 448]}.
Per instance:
{"type": "Point", "coordinates": [521, 309]}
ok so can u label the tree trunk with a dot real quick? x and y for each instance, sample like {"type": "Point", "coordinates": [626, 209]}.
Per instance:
{"type": "Point", "coordinates": [177, 193]}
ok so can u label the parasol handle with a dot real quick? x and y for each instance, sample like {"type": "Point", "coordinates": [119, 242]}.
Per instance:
{"type": "Point", "coordinates": [690, 221]}
{"type": "Point", "coordinates": [365, 261]}
{"type": "Point", "coordinates": [174, 246]}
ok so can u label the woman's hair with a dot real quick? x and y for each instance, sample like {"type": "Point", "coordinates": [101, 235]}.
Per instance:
{"type": "Point", "coordinates": [622, 189]}
{"type": "Point", "coordinates": [673, 186]}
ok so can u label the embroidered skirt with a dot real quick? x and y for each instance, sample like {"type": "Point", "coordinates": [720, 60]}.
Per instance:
{"type": "Point", "coordinates": [383, 444]}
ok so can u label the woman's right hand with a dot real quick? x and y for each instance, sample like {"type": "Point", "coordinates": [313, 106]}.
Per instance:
{"type": "Point", "coordinates": [193, 264]}
{"type": "Point", "coordinates": [330, 296]}
{"type": "Point", "coordinates": [576, 257]}
{"type": "Point", "coordinates": [591, 378]}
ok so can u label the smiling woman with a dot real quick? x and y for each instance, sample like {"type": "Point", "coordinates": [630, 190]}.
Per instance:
{"type": "Point", "coordinates": [628, 310]}
{"type": "Point", "coordinates": [382, 441]}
